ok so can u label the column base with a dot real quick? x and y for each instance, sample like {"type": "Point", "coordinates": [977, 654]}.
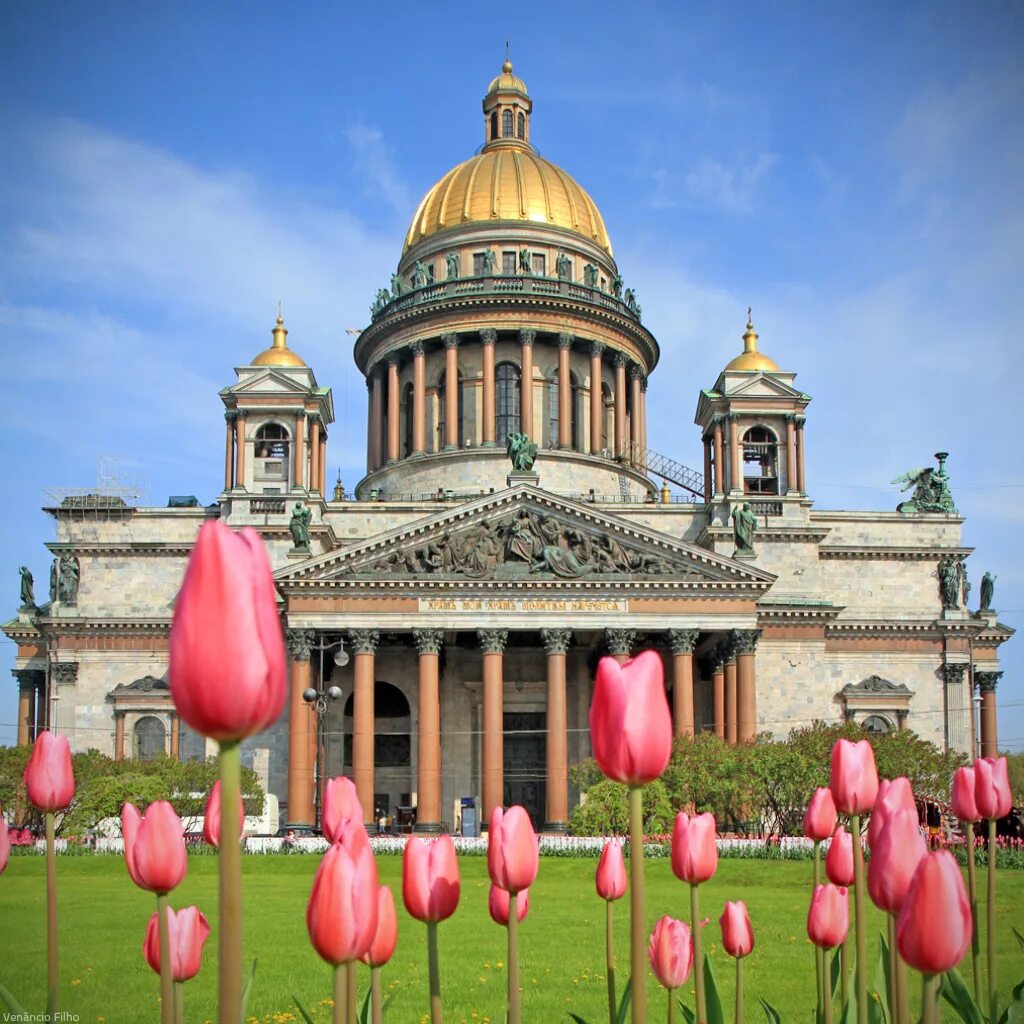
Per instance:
{"type": "Point", "coordinates": [560, 828]}
{"type": "Point", "coordinates": [427, 828]}
{"type": "Point", "coordinates": [450, 447]}
{"type": "Point", "coordinates": [417, 455]}
{"type": "Point", "coordinates": [488, 444]}
{"type": "Point", "coordinates": [298, 824]}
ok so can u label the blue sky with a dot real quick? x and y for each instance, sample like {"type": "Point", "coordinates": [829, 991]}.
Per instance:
{"type": "Point", "coordinates": [852, 172]}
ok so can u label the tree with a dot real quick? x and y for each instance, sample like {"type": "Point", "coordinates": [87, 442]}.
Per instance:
{"type": "Point", "coordinates": [606, 810]}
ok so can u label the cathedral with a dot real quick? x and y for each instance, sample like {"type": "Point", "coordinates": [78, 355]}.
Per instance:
{"type": "Point", "coordinates": [444, 621]}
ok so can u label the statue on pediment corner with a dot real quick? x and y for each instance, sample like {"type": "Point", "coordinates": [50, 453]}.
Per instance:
{"type": "Point", "coordinates": [521, 450]}
{"type": "Point", "coordinates": [28, 597]}
{"type": "Point", "coordinates": [931, 489]}
{"type": "Point", "coordinates": [988, 589]}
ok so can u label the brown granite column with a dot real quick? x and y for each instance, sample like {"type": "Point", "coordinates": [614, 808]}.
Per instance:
{"type": "Point", "coordinates": [369, 423]}
{"type": "Point", "coordinates": [299, 451]}
{"type": "Point", "coordinates": [801, 483]}
{"type": "Point", "coordinates": [643, 421]}
{"type": "Point", "coordinates": [989, 732]}
{"type": "Point", "coordinates": [492, 642]}
{"type": "Point", "coordinates": [229, 450]}
{"type": "Point", "coordinates": [621, 440]}
{"type": "Point", "coordinates": [682, 642]}
{"type": "Point", "coordinates": [323, 463]}
{"type": "Point", "coordinates": [735, 457]}
{"type": "Point", "coordinates": [565, 341]}
{"type": "Point", "coordinates": [731, 706]}
{"type": "Point", "coordinates": [394, 420]}
{"type": "Point", "coordinates": [301, 722]}
{"type": "Point", "coordinates": [378, 417]}
{"type": "Point", "coordinates": [118, 735]}
{"type": "Point", "coordinates": [556, 643]}
{"type": "Point", "coordinates": [709, 487]}
{"type": "Point", "coordinates": [718, 690]}
{"type": "Point", "coordinates": [451, 391]}
{"type": "Point", "coordinates": [791, 487]}
{"type": "Point", "coordinates": [526, 340]}
{"type": "Point", "coordinates": [719, 457]}
{"type": "Point", "coordinates": [745, 643]}
{"type": "Point", "coordinates": [636, 415]}
{"type": "Point", "coordinates": [488, 338]}
{"type": "Point", "coordinates": [314, 454]}
{"type": "Point", "coordinates": [26, 704]}
{"type": "Point", "coordinates": [175, 737]}
{"type": "Point", "coordinates": [596, 398]}
{"type": "Point", "coordinates": [364, 647]}
{"type": "Point", "coordinates": [428, 760]}
{"type": "Point", "coordinates": [240, 451]}
{"type": "Point", "coordinates": [419, 399]}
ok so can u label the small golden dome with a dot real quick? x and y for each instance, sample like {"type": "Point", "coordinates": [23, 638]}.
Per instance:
{"type": "Point", "coordinates": [506, 80]}
{"type": "Point", "coordinates": [750, 359]}
{"type": "Point", "coordinates": [279, 354]}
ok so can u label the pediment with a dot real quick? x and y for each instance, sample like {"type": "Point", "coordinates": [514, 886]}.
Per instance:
{"type": "Point", "coordinates": [761, 386]}
{"type": "Point", "coordinates": [271, 381]}
{"type": "Point", "coordinates": [525, 535]}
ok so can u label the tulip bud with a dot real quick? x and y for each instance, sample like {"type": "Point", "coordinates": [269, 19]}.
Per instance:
{"type": "Point", "coordinates": [154, 847]}
{"type": "Point", "coordinates": [737, 931]}
{"type": "Point", "coordinates": [513, 855]}
{"type": "Point", "coordinates": [499, 903]}
{"type": "Point", "coordinates": [992, 794]}
{"type": "Point", "coordinates": [211, 817]}
{"type": "Point", "coordinates": [341, 804]}
{"type": "Point", "coordinates": [430, 879]}
{"type": "Point", "coordinates": [839, 859]}
{"type": "Point", "coordinates": [611, 872]}
{"type": "Point", "coordinates": [820, 816]}
{"type": "Point", "coordinates": [386, 937]}
{"type": "Point", "coordinates": [893, 795]}
{"type": "Point", "coordinates": [630, 721]}
{"type": "Point", "coordinates": [933, 930]}
{"type": "Point", "coordinates": [188, 930]}
{"type": "Point", "coordinates": [670, 952]}
{"type": "Point", "coordinates": [894, 859]}
{"type": "Point", "coordinates": [964, 806]}
{"type": "Point", "coordinates": [49, 779]}
{"type": "Point", "coordinates": [854, 780]}
{"type": "Point", "coordinates": [694, 853]}
{"type": "Point", "coordinates": [828, 919]}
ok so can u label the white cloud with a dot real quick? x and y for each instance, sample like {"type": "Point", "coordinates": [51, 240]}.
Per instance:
{"type": "Point", "coordinates": [710, 183]}
{"type": "Point", "coordinates": [375, 163]}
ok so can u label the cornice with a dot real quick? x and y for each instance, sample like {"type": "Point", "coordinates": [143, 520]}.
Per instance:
{"type": "Point", "coordinates": [879, 552]}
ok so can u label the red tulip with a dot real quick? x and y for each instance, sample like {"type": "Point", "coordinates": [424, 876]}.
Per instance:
{"type": "Point", "coordinates": [188, 929]}
{"type": "Point", "coordinates": [992, 793]}
{"type": "Point", "coordinates": [828, 920]}
{"type": "Point", "coordinates": [893, 795]}
{"type": "Point", "coordinates": [839, 859]}
{"type": "Point", "coordinates": [611, 872]}
{"type": "Point", "coordinates": [341, 804]}
{"type": "Point", "coordinates": [341, 916]}
{"type": "Point", "coordinates": [694, 853]}
{"type": "Point", "coordinates": [154, 846]}
{"type": "Point", "coordinates": [430, 878]}
{"type": "Point", "coordinates": [894, 859]}
{"type": "Point", "coordinates": [737, 931]}
{"type": "Point", "coordinates": [630, 722]}
{"type": "Point", "coordinates": [5, 844]}
{"type": "Point", "coordinates": [211, 817]}
{"type": "Point", "coordinates": [386, 937]}
{"type": "Point", "coordinates": [854, 780]}
{"type": "Point", "coordinates": [964, 806]}
{"type": "Point", "coordinates": [499, 902]}
{"type": "Point", "coordinates": [933, 930]}
{"type": "Point", "coordinates": [513, 855]}
{"type": "Point", "coordinates": [227, 660]}
{"type": "Point", "coordinates": [49, 779]}
{"type": "Point", "coordinates": [671, 952]}
{"type": "Point", "coordinates": [820, 816]}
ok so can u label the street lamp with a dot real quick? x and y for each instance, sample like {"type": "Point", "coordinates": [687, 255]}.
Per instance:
{"type": "Point", "coordinates": [319, 701]}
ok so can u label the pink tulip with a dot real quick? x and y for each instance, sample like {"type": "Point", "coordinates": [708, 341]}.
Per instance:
{"type": "Point", "coordinates": [854, 780]}
{"type": "Point", "coordinates": [893, 795]}
{"type": "Point", "coordinates": [499, 902]}
{"type": "Point", "coordinates": [694, 853]}
{"type": "Point", "coordinates": [839, 859]}
{"type": "Point", "coordinates": [828, 919]}
{"type": "Point", "coordinates": [211, 817]}
{"type": "Point", "coordinates": [227, 660]}
{"type": "Point", "coordinates": [671, 952]}
{"type": "Point", "coordinates": [630, 721]}
{"type": "Point", "coordinates": [154, 846]}
{"type": "Point", "coordinates": [430, 878]}
{"type": "Point", "coordinates": [341, 804]}
{"type": "Point", "coordinates": [933, 930]}
{"type": "Point", "coordinates": [992, 793]}
{"type": "Point", "coordinates": [964, 806]}
{"type": "Point", "coordinates": [894, 859]}
{"type": "Point", "coordinates": [341, 916]}
{"type": "Point", "coordinates": [611, 872]}
{"type": "Point", "coordinates": [386, 937]}
{"type": "Point", "coordinates": [820, 816]}
{"type": "Point", "coordinates": [188, 929]}
{"type": "Point", "coordinates": [513, 854]}
{"type": "Point", "coordinates": [49, 779]}
{"type": "Point", "coordinates": [5, 844]}
{"type": "Point", "coordinates": [737, 931]}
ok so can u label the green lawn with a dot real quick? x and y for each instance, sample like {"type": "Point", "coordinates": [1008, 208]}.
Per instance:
{"type": "Point", "coordinates": [105, 978]}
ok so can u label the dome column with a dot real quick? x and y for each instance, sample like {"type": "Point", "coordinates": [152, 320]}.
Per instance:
{"type": "Point", "coordinates": [636, 415]}
{"type": "Point", "coordinates": [370, 466]}
{"type": "Point", "coordinates": [620, 405]}
{"type": "Point", "coordinates": [709, 487]}
{"type": "Point", "coordinates": [419, 400]}
{"type": "Point", "coordinates": [801, 482]}
{"type": "Point", "coordinates": [596, 398]}
{"type": "Point", "coordinates": [488, 337]}
{"type": "Point", "coordinates": [643, 421]}
{"type": "Point", "coordinates": [791, 487]}
{"type": "Point", "coordinates": [314, 455]}
{"type": "Point", "coordinates": [526, 340]}
{"type": "Point", "coordinates": [565, 341]}
{"type": "Point", "coordinates": [451, 390]}
{"type": "Point", "coordinates": [299, 461]}
{"type": "Point", "coordinates": [393, 413]}
{"type": "Point", "coordinates": [229, 449]}
{"type": "Point", "coordinates": [323, 462]}
{"type": "Point", "coordinates": [240, 451]}
{"type": "Point", "coordinates": [719, 457]}
{"type": "Point", "coordinates": [377, 432]}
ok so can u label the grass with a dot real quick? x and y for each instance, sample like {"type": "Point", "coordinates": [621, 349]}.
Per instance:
{"type": "Point", "coordinates": [105, 978]}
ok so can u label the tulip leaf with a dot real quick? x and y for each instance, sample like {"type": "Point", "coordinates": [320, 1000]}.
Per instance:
{"type": "Point", "coordinates": [1020, 938]}
{"type": "Point", "coordinates": [247, 988]}
{"type": "Point", "coordinates": [363, 1017]}
{"type": "Point", "coordinates": [12, 1004]}
{"type": "Point", "coordinates": [627, 995]}
{"type": "Point", "coordinates": [834, 971]}
{"type": "Point", "coordinates": [957, 994]}
{"type": "Point", "coordinates": [688, 1015]}
{"type": "Point", "coordinates": [713, 1001]}
{"type": "Point", "coordinates": [306, 1016]}
{"type": "Point", "coordinates": [883, 977]}
{"type": "Point", "coordinates": [576, 1017]}
{"type": "Point", "coordinates": [849, 1012]}
{"type": "Point", "coordinates": [1014, 1013]}
{"type": "Point", "coordinates": [773, 1015]}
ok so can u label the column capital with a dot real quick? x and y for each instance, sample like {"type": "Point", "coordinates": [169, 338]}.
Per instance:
{"type": "Point", "coordinates": [369, 380]}
{"type": "Point", "coordinates": [987, 681]}
{"type": "Point", "coordinates": [682, 641]}
{"type": "Point", "coordinates": [954, 672]}
{"type": "Point", "coordinates": [392, 359]}
{"type": "Point", "coordinates": [799, 420]}
{"type": "Point", "coordinates": [719, 656]}
{"type": "Point", "coordinates": [65, 673]}
{"type": "Point", "coordinates": [364, 641]}
{"type": "Point", "coordinates": [620, 360]}
{"type": "Point", "coordinates": [527, 336]}
{"type": "Point", "coordinates": [643, 384]}
{"type": "Point", "coordinates": [428, 641]}
{"type": "Point", "coordinates": [620, 641]}
{"type": "Point", "coordinates": [230, 415]}
{"type": "Point", "coordinates": [556, 641]}
{"type": "Point", "coordinates": [744, 641]}
{"type": "Point", "coordinates": [596, 349]}
{"type": "Point", "coordinates": [27, 678]}
{"type": "Point", "coordinates": [416, 348]}
{"type": "Point", "coordinates": [717, 420]}
{"type": "Point", "coordinates": [450, 340]}
{"type": "Point", "coordinates": [492, 641]}
{"type": "Point", "coordinates": [565, 339]}
{"type": "Point", "coordinates": [119, 714]}
{"type": "Point", "coordinates": [636, 372]}
{"type": "Point", "coordinates": [488, 336]}
{"type": "Point", "coordinates": [299, 643]}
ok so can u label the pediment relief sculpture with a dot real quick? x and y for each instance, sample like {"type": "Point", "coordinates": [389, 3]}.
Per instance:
{"type": "Point", "coordinates": [876, 685]}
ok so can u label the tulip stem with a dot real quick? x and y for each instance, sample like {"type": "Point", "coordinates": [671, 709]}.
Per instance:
{"type": "Point", "coordinates": [993, 995]}
{"type": "Point", "coordinates": [893, 957]}
{"type": "Point", "coordinates": [229, 992]}
{"type": "Point", "coordinates": [930, 998]}
{"type": "Point", "coordinates": [435, 973]}
{"type": "Point", "coordinates": [972, 885]}
{"type": "Point", "coordinates": [637, 914]}
{"type": "Point", "coordinates": [698, 958]}
{"type": "Point", "coordinates": [826, 990]}
{"type": "Point", "coordinates": [353, 990]}
{"type": "Point", "coordinates": [166, 960]}
{"type": "Point", "coordinates": [860, 967]}
{"type": "Point", "coordinates": [52, 972]}
{"type": "Point", "coordinates": [739, 990]}
{"type": "Point", "coordinates": [514, 1010]}
{"type": "Point", "coordinates": [376, 1001]}
{"type": "Point", "coordinates": [819, 954]}
{"type": "Point", "coordinates": [899, 981]}
{"type": "Point", "coordinates": [340, 1014]}
{"type": "Point", "coordinates": [179, 1002]}
{"type": "Point", "coordinates": [844, 971]}
{"type": "Point", "coordinates": [671, 1006]}
{"type": "Point", "coordinates": [609, 946]}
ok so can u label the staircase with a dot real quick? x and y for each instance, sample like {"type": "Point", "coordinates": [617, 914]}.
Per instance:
{"type": "Point", "coordinates": [668, 469]}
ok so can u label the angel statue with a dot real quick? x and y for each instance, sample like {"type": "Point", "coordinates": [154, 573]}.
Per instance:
{"type": "Point", "coordinates": [931, 489]}
{"type": "Point", "coordinates": [522, 451]}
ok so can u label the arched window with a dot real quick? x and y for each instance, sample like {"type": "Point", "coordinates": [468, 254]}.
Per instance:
{"type": "Point", "coordinates": [876, 724]}
{"type": "Point", "coordinates": [576, 407]}
{"type": "Point", "coordinates": [521, 126]}
{"type": "Point", "coordinates": [552, 438]}
{"type": "Point", "coordinates": [506, 388]}
{"type": "Point", "coordinates": [271, 442]}
{"type": "Point", "coordinates": [494, 124]}
{"type": "Point", "coordinates": [442, 427]}
{"type": "Point", "coordinates": [760, 462]}
{"type": "Point", "coordinates": [149, 738]}
{"type": "Point", "coordinates": [407, 403]}
{"type": "Point", "coordinates": [608, 411]}
{"type": "Point", "coordinates": [506, 124]}
{"type": "Point", "coordinates": [392, 742]}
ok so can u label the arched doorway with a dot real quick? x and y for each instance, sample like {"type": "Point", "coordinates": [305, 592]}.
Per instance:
{"type": "Point", "coordinates": [149, 740]}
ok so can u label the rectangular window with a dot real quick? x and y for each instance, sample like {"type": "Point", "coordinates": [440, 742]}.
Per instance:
{"type": "Point", "coordinates": [430, 273]}
{"type": "Point", "coordinates": [539, 264]}
{"type": "Point", "coordinates": [478, 264]}
{"type": "Point", "coordinates": [508, 262]}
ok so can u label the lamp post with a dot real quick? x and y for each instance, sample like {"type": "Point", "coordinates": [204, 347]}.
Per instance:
{"type": "Point", "coordinates": [320, 699]}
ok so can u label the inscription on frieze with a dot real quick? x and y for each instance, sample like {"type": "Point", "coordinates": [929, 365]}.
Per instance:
{"type": "Point", "coordinates": [519, 605]}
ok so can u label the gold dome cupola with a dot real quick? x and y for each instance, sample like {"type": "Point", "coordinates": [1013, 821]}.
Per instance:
{"type": "Point", "coordinates": [507, 109]}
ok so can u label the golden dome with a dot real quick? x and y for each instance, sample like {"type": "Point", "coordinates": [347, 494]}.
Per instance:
{"type": "Point", "coordinates": [506, 80]}
{"type": "Point", "coordinates": [750, 359]}
{"type": "Point", "coordinates": [508, 183]}
{"type": "Point", "coordinates": [279, 354]}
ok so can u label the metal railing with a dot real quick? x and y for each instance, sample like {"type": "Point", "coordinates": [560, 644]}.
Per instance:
{"type": "Point", "coordinates": [668, 469]}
